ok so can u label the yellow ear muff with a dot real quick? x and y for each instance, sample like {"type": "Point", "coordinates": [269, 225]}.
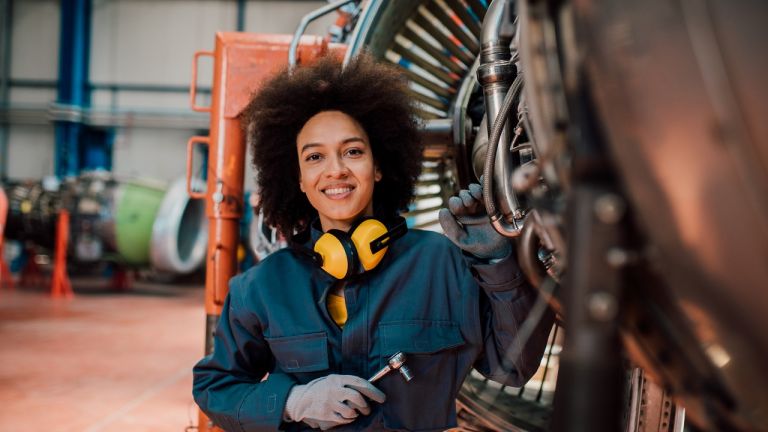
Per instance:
{"type": "Point", "coordinates": [335, 259]}
{"type": "Point", "coordinates": [366, 232]}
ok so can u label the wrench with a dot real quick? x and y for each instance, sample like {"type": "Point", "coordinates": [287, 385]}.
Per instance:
{"type": "Point", "coordinates": [396, 362]}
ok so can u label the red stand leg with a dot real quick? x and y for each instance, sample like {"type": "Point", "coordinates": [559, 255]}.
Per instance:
{"type": "Point", "coordinates": [31, 273]}
{"type": "Point", "coordinates": [121, 279]}
{"type": "Point", "coordinates": [6, 278]}
{"type": "Point", "coordinates": [60, 284]}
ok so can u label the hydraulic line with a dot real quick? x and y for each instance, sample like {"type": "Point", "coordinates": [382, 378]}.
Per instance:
{"type": "Point", "coordinates": [493, 142]}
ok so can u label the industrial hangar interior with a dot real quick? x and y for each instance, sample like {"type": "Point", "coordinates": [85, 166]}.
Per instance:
{"type": "Point", "coordinates": [611, 154]}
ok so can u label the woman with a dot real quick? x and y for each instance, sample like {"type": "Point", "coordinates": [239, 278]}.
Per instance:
{"type": "Point", "coordinates": [301, 332]}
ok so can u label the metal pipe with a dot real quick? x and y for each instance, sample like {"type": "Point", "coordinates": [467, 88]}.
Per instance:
{"type": "Point", "coordinates": [636, 383]}
{"type": "Point", "coordinates": [527, 251]}
{"type": "Point", "coordinates": [366, 20]}
{"type": "Point", "coordinates": [546, 363]}
{"type": "Point", "coordinates": [495, 73]}
{"type": "Point", "coordinates": [437, 137]}
{"type": "Point", "coordinates": [463, 130]}
{"type": "Point", "coordinates": [679, 425]}
{"type": "Point", "coordinates": [493, 23]}
{"type": "Point", "coordinates": [505, 223]}
{"type": "Point", "coordinates": [44, 114]}
{"type": "Point", "coordinates": [32, 83]}
{"type": "Point", "coordinates": [437, 132]}
{"type": "Point", "coordinates": [308, 18]}
{"type": "Point", "coordinates": [149, 88]}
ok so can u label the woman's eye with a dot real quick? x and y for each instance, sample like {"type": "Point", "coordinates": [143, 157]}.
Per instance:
{"type": "Point", "coordinates": [354, 152]}
{"type": "Point", "coordinates": [312, 157]}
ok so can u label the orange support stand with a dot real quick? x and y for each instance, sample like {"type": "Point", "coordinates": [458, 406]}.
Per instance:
{"type": "Point", "coordinates": [60, 284]}
{"type": "Point", "coordinates": [6, 278]}
{"type": "Point", "coordinates": [242, 61]}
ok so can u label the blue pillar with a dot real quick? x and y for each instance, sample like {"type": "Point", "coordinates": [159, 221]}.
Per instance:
{"type": "Point", "coordinates": [240, 15]}
{"type": "Point", "coordinates": [78, 146]}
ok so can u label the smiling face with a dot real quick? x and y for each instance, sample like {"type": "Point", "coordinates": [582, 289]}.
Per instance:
{"type": "Point", "coordinates": [337, 170]}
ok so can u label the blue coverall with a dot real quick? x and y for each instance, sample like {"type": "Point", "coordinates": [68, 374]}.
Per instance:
{"type": "Point", "coordinates": [423, 300]}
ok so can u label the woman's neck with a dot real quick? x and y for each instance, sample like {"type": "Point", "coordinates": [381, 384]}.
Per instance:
{"type": "Point", "coordinates": [328, 225]}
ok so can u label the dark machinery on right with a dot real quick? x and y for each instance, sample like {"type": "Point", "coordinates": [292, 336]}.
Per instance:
{"type": "Point", "coordinates": [646, 119]}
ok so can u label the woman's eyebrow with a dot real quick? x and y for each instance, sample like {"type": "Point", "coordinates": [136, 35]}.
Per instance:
{"type": "Point", "coordinates": [309, 145]}
{"type": "Point", "coordinates": [344, 141]}
{"type": "Point", "coordinates": [353, 139]}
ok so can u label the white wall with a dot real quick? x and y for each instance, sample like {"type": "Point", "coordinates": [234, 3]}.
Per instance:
{"type": "Point", "coordinates": [144, 42]}
{"type": "Point", "coordinates": [30, 152]}
{"type": "Point", "coordinates": [35, 39]}
{"type": "Point", "coordinates": [156, 153]}
{"type": "Point", "coordinates": [35, 55]}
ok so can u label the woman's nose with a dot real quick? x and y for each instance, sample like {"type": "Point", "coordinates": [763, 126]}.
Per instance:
{"type": "Point", "coordinates": [337, 167]}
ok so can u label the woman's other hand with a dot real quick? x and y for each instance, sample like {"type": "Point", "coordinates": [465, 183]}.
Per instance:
{"type": "Point", "coordinates": [466, 224]}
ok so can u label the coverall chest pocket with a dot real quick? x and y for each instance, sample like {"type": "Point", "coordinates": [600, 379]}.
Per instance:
{"type": "Point", "coordinates": [303, 356]}
{"type": "Point", "coordinates": [426, 402]}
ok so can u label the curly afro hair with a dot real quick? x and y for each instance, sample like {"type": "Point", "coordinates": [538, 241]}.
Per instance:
{"type": "Point", "coordinates": [372, 93]}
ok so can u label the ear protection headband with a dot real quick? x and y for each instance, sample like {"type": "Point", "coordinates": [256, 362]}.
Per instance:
{"type": "Point", "coordinates": [344, 254]}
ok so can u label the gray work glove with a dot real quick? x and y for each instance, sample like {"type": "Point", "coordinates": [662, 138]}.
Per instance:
{"type": "Point", "coordinates": [331, 401]}
{"type": "Point", "coordinates": [466, 223]}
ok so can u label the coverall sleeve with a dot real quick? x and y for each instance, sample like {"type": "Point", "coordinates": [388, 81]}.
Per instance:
{"type": "Point", "coordinates": [505, 302]}
{"type": "Point", "coordinates": [228, 384]}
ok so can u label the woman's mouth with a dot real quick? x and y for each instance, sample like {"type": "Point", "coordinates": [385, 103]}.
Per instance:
{"type": "Point", "coordinates": [338, 192]}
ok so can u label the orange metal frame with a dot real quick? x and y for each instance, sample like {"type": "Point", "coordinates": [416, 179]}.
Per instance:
{"type": "Point", "coordinates": [60, 284]}
{"type": "Point", "coordinates": [242, 62]}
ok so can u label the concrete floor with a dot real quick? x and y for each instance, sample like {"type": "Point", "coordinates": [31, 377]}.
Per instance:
{"type": "Point", "coordinates": [101, 361]}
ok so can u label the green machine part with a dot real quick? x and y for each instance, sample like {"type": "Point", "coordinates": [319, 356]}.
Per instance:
{"type": "Point", "coordinates": [135, 213]}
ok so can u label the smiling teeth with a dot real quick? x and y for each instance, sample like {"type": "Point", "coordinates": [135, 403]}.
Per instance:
{"type": "Point", "coordinates": [337, 191]}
